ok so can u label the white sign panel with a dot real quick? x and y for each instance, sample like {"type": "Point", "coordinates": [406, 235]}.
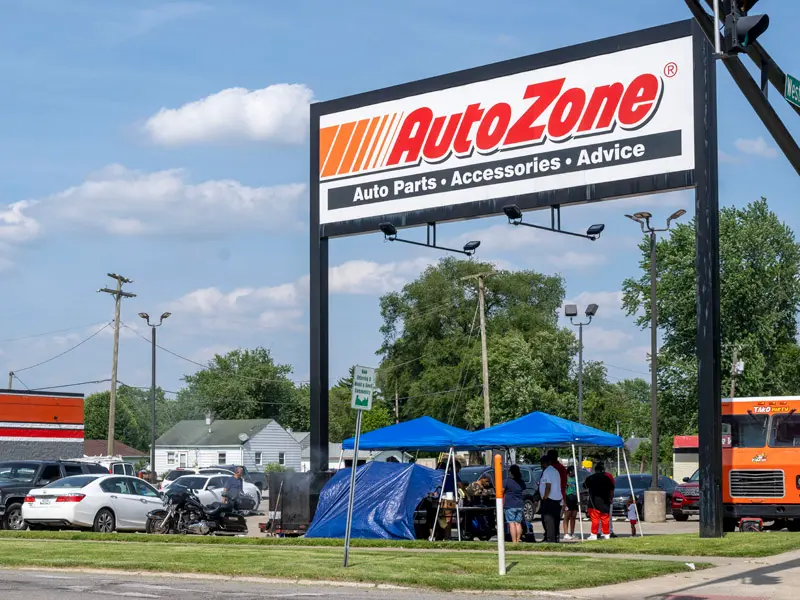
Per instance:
{"type": "Point", "coordinates": [617, 116]}
{"type": "Point", "coordinates": [363, 388]}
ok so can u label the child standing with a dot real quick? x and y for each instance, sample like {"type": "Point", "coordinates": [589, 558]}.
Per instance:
{"type": "Point", "coordinates": [632, 515]}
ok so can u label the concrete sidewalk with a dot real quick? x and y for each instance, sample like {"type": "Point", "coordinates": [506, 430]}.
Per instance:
{"type": "Point", "coordinates": [771, 578]}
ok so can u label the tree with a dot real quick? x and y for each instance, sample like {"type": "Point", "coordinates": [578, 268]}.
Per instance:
{"type": "Point", "coordinates": [760, 294]}
{"type": "Point", "coordinates": [133, 416]}
{"type": "Point", "coordinates": [431, 346]}
{"type": "Point", "coordinates": [246, 384]}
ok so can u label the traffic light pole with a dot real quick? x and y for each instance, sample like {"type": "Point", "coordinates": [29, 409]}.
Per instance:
{"type": "Point", "coordinates": [750, 89]}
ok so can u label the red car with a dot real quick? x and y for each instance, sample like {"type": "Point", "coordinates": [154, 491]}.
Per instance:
{"type": "Point", "coordinates": [686, 498]}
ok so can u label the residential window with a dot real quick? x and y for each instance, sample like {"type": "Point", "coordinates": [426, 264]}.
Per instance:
{"type": "Point", "coordinates": [222, 458]}
{"type": "Point", "coordinates": [282, 458]}
{"type": "Point", "coordinates": [182, 460]}
{"type": "Point", "coordinates": [170, 458]}
{"type": "Point", "coordinates": [258, 458]}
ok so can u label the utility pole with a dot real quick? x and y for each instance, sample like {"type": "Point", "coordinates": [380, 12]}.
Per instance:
{"type": "Point", "coordinates": [11, 380]}
{"type": "Point", "coordinates": [153, 326]}
{"type": "Point", "coordinates": [396, 405]}
{"type": "Point", "coordinates": [487, 420]}
{"type": "Point", "coordinates": [112, 403]}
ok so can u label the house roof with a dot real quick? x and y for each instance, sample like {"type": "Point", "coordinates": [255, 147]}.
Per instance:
{"type": "Point", "coordinates": [100, 448]}
{"type": "Point", "coordinates": [219, 433]}
{"type": "Point", "coordinates": [334, 450]}
{"type": "Point", "coordinates": [302, 437]}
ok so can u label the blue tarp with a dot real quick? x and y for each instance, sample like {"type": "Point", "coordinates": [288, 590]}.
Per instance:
{"type": "Point", "coordinates": [538, 429]}
{"type": "Point", "coordinates": [425, 434]}
{"type": "Point", "coordinates": [386, 496]}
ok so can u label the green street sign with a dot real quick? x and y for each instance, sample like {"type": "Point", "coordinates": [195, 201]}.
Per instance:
{"type": "Point", "coordinates": [792, 91]}
{"type": "Point", "coordinates": [363, 387]}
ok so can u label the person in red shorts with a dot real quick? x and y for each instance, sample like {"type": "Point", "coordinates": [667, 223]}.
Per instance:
{"type": "Point", "coordinates": [601, 495]}
{"type": "Point", "coordinates": [611, 510]}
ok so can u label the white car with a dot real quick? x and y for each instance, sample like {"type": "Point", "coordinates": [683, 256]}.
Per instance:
{"type": "Point", "coordinates": [104, 503]}
{"type": "Point", "coordinates": [208, 488]}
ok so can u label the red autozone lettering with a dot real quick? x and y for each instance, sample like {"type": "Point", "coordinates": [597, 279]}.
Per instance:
{"type": "Point", "coordinates": [573, 112]}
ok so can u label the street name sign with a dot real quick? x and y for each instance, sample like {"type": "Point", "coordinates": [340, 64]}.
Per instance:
{"type": "Point", "coordinates": [792, 91]}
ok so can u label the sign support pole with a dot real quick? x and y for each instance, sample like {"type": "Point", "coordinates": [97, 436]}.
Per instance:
{"type": "Point", "coordinates": [708, 300]}
{"type": "Point", "coordinates": [352, 499]}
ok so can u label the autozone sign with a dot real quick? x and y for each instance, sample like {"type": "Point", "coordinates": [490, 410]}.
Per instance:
{"type": "Point", "coordinates": [616, 116]}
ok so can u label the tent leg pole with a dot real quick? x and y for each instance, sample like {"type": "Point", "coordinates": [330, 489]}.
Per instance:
{"type": "Point", "coordinates": [441, 496]}
{"type": "Point", "coordinates": [341, 456]}
{"type": "Point", "coordinates": [455, 487]}
{"type": "Point", "coordinates": [633, 495]}
{"type": "Point", "coordinates": [578, 490]}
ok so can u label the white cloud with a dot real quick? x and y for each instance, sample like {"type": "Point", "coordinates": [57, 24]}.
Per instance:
{"type": "Point", "coordinates": [278, 113]}
{"type": "Point", "coordinates": [602, 340]}
{"type": "Point", "coordinates": [373, 278]}
{"type": "Point", "coordinates": [729, 159]}
{"type": "Point", "coordinates": [576, 260]}
{"type": "Point", "coordinates": [756, 147]}
{"type": "Point", "coordinates": [608, 302]}
{"type": "Point", "coordinates": [126, 202]}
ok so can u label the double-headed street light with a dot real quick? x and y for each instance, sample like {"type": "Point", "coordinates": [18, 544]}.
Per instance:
{"type": "Point", "coordinates": [643, 219]}
{"type": "Point", "coordinates": [571, 310]}
{"type": "Point", "coordinates": [152, 326]}
{"type": "Point", "coordinates": [389, 232]}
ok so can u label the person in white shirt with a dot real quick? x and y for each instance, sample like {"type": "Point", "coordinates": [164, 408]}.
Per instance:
{"type": "Point", "coordinates": [550, 491]}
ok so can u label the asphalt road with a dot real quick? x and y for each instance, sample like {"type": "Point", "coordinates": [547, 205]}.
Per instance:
{"type": "Point", "coordinates": [50, 585]}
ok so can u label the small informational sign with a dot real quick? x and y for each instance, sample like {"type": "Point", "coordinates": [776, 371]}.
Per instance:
{"type": "Point", "coordinates": [363, 388]}
{"type": "Point", "coordinates": [792, 91]}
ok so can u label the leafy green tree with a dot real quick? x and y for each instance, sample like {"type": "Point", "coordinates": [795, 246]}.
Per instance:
{"type": "Point", "coordinates": [760, 294]}
{"type": "Point", "coordinates": [431, 346]}
{"type": "Point", "coordinates": [245, 384]}
{"type": "Point", "coordinates": [133, 416]}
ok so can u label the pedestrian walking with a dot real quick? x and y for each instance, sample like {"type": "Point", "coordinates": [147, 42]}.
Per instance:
{"type": "Point", "coordinates": [601, 496]}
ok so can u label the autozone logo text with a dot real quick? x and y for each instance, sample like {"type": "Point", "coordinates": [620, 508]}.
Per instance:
{"type": "Point", "coordinates": [547, 110]}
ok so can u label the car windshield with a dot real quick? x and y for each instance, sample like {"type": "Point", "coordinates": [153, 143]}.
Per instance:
{"type": "Point", "coordinates": [77, 481]}
{"type": "Point", "coordinates": [745, 431]}
{"type": "Point", "coordinates": [20, 472]}
{"type": "Point", "coordinates": [641, 481]}
{"type": "Point", "coordinates": [695, 476]}
{"type": "Point", "coordinates": [173, 475]}
{"type": "Point", "coordinates": [192, 483]}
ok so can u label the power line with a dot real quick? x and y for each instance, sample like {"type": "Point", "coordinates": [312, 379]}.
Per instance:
{"type": "Point", "coordinates": [14, 375]}
{"type": "Point", "coordinates": [35, 335]}
{"type": "Point", "coordinates": [81, 343]}
{"type": "Point", "coordinates": [623, 368]}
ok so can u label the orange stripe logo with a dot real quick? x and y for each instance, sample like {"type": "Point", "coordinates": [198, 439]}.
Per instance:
{"type": "Point", "coordinates": [355, 147]}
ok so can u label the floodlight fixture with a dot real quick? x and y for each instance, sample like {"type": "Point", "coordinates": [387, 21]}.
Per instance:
{"type": "Point", "coordinates": [470, 247]}
{"type": "Point", "coordinates": [595, 230]}
{"type": "Point", "coordinates": [145, 316]}
{"type": "Point", "coordinates": [643, 215]}
{"type": "Point", "coordinates": [513, 213]}
{"type": "Point", "coordinates": [591, 310]}
{"type": "Point", "coordinates": [166, 315]}
{"type": "Point", "coordinates": [571, 310]}
{"type": "Point", "coordinates": [388, 230]}
{"type": "Point", "coordinates": [390, 233]}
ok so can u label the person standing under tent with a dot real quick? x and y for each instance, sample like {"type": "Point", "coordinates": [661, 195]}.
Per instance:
{"type": "Point", "coordinates": [552, 500]}
{"type": "Point", "coordinates": [571, 504]}
{"type": "Point", "coordinates": [611, 510]}
{"type": "Point", "coordinates": [562, 470]}
{"type": "Point", "coordinates": [513, 502]}
{"type": "Point", "coordinates": [601, 496]}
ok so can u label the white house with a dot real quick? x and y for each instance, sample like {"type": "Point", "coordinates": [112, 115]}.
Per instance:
{"type": "Point", "coordinates": [335, 451]}
{"type": "Point", "coordinates": [254, 443]}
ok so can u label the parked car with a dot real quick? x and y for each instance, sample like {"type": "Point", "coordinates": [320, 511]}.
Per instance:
{"type": "Point", "coordinates": [18, 477]}
{"type": "Point", "coordinates": [530, 476]}
{"type": "Point", "coordinates": [104, 503]}
{"type": "Point", "coordinates": [209, 487]}
{"type": "Point", "coordinates": [254, 477]}
{"type": "Point", "coordinates": [172, 475]}
{"type": "Point", "coordinates": [114, 464]}
{"type": "Point", "coordinates": [641, 483]}
{"type": "Point", "coordinates": [686, 498]}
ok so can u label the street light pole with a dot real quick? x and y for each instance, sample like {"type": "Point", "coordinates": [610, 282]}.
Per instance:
{"type": "Point", "coordinates": [146, 317]}
{"type": "Point", "coordinates": [643, 219]}
{"type": "Point", "coordinates": [571, 310]}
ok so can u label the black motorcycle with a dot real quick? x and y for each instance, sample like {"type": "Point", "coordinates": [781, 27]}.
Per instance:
{"type": "Point", "coordinates": [184, 513]}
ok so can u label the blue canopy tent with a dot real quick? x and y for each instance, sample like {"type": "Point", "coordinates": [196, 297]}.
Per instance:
{"type": "Point", "coordinates": [425, 434]}
{"type": "Point", "coordinates": [388, 495]}
{"type": "Point", "coordinates": [538, 429]}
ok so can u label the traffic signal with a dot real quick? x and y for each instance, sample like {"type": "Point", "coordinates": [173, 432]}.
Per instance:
{"type": "Point", "coordinates": [742, 29]}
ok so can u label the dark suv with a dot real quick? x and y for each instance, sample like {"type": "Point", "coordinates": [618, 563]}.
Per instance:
{"type": "Point", "coordinates": [18, 477]}
{"type": "Point", "coordinates": [530, 476]}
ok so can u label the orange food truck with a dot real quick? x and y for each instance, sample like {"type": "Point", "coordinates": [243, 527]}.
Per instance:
{"type": "Point", "coordinates": [761, 460]}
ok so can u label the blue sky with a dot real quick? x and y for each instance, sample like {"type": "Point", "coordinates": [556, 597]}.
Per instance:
{"type": "Point", "coordinates": [105, 168]}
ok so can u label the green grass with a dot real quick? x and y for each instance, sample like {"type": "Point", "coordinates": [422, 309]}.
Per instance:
{"type": "Point", "coordinates": [732, 545]}
{"type": "Point", "coordinates": [439, 570]}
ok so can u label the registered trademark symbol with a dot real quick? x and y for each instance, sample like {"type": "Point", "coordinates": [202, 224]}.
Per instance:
{"type": "Point", "coordinates": [670, 69]}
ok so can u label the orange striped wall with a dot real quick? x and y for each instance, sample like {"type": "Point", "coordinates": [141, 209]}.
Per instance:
{"type": "Point", "coordinates": [40, 408]}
